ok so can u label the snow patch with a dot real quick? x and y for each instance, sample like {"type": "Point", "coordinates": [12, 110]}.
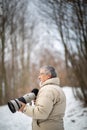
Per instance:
{"type": "Point", "coordinates": [75, 116]}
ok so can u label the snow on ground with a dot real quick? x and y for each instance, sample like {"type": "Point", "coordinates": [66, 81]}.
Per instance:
{"type": "Point", "coordinates": [10, 121]}
{"type": "Point", "coordinates": [75, 116]}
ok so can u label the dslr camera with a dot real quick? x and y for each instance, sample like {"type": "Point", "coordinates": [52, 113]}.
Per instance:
{"type": "Point", "coordinates": [15, 105]}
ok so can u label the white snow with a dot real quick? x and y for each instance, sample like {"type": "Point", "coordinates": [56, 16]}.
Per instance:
{"type": "Point", "coordinates": [75, 116]}
{"type": "Point", "coordinates": [10, 121]}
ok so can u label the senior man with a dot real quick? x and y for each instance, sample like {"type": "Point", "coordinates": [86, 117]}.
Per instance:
{"type": "Point", "coordinates": [50, 104]}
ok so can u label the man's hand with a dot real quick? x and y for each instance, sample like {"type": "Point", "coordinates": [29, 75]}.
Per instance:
{"type": "Point", "coordinates": [22, 107]}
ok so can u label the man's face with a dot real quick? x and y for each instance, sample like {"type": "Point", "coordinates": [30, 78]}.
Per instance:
{"type": "Point", "coordinates": [43, 76]}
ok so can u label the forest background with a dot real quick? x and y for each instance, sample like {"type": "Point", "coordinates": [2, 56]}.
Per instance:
{"type": "Point", "coordinates": [42, 32]}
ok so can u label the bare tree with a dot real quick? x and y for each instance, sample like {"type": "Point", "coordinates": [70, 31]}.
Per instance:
{"type": "Point", "coordinates": [10, 24]}
{"type": "Point", "coordinates": [71, 19]}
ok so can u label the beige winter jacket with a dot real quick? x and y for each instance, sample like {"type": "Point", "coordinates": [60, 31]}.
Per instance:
{"type": "Point", "coordinates": [49, 108]}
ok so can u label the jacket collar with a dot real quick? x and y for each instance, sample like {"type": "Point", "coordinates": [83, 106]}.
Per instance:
{"type": "Point", "coordinates": [54, 81]}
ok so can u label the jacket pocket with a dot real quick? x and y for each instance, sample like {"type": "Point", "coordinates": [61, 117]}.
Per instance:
{"type": "Point", "coordinates": [38, 124]}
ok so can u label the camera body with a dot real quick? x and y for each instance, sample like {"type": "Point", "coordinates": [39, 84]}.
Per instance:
{"type": "Point", "coordinates": [15, 105]}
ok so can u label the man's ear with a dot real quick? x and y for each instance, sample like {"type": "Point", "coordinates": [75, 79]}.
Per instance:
{"type": "Point", "coordinates": [49, 76]}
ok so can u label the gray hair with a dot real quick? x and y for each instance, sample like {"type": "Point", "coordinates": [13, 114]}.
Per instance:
{"type": "Point", "coordinates": [50, 70]}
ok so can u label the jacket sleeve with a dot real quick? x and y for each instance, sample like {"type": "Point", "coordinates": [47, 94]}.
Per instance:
{"type": "Point", "coordinates": [43, 107]}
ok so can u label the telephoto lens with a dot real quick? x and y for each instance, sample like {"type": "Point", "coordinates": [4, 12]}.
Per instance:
{"type": "Point", "coordinates": [15, 105]}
